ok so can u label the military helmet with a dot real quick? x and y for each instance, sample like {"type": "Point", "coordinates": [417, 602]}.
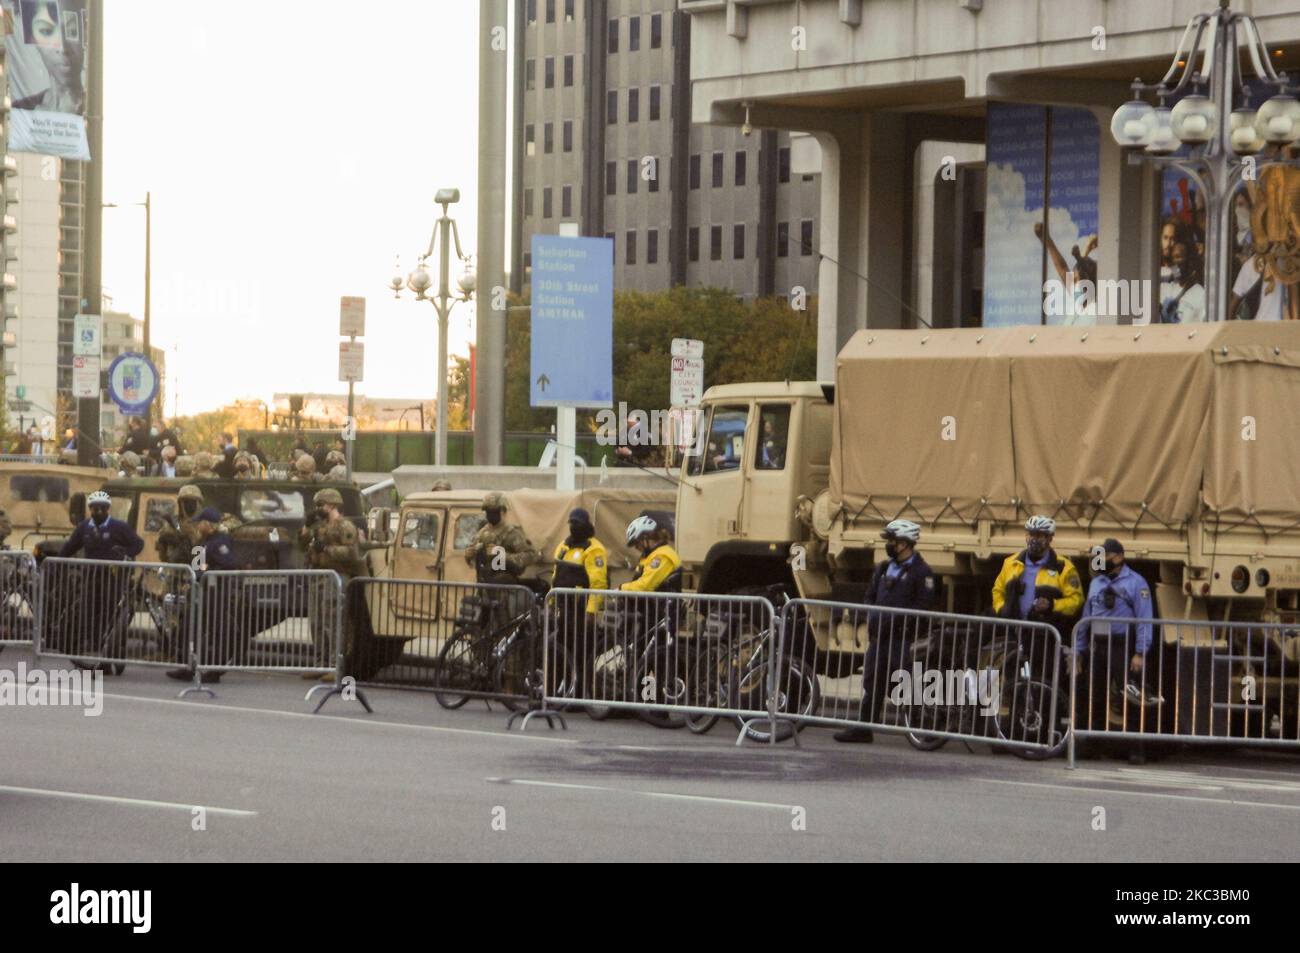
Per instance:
{"type": "Point", "coordinates": [328, 495]}
{"type": "Point", "coordinates": [203, 460]}
{"type": "Point", "coordinates": [305, 464]}
{"type": "Point", "coordinates": [495, 501]}
{"type": "Point", "coordinates": [335, 457]}
{"type": "Point", "coordinates": [130, 460]}
{"type": "Point", "coordinates": [189, 490]}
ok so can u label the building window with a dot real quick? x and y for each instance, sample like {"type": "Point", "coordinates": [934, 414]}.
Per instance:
{"type": "Point", "coordinates": [693, 243]}
{"type": "Point", "coordinates": [783, 164]}
{"type": "Point", "coordinates": [528, 261]}
{"type": "Point", "coordinates": [633, 34]}
{"type": "Point", "coordinates": [652, 246]}
{"type": "Point", "coordinates": [631, 176]}
{"type": "Point", "coordinates": [530, 140]}
{"type": "Point", "coordinates": [740, 168]}
{"type": "Point", "coordinates": [550, 11]}
{"type": "Point", "coordinates": [717, 170]}
{"type": "Point", "coordinates": [568, 135]}
{"type": "Point", "coordinates": [528, 203]}
{"type": "Point", "coordinates": [738, 242]}
{"type": "Point", "coordinates": [611, 107]}
{"type": "Point", "coordinates": [550, 72]}
{"type": "Point", "coordinates": [652, 184]}
{"type": "Point", "coordinates": [695, 171]}
{"type": "Point", "coordinates": [655, 92]}
{"type": "Point", "coordinates": [532, 12]}
{"type": "Point", "coordinates": [611, 178]}
{"type": "Point", "coordinates": [530, 74]}
{"type": "Point", "coordinates": [656, 31]}
{"type": "Point", "coordinates": [715, 243]}
{"type": "Point", "coordinates": [805, 237]}
{"type": "Point", "coordinates": [548, 138]}
{"type": "Point", "coordinates": [633, 105]}
{"type": "Point", "coordinates": [568, 70]}
{"type": "Point", "coordinates": [566, 202]}
{"type": "Point", "coordinates": [631, 248]}
{"type": "Point", "coordinates": [547, 205]}
{"type": "Point", "coordinates": [782, 239]}
{"type": "Point", "coordinates": [568, 11]}
{"type": "Point", "coordinates": [613, 36]}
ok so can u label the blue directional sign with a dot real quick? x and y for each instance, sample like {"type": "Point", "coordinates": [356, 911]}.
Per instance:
{"type": "Point", "coordinates": [573, 322]}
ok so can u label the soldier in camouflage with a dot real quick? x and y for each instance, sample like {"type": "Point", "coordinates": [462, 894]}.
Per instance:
{"type": "Point", "coordinates": [304, 469]}
{"type": "Point", "coordinates": [176, 543]}
{"type": "Point", "coordinates": [496, 539]}
{"type": "Point", "coordinates": [330, 542]}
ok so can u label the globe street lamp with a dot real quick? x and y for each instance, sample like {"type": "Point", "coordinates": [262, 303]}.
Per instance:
{"type": "Point", "coordinates": [419, 281]}
{"type": "Point", "coordinates": [1222, 133]}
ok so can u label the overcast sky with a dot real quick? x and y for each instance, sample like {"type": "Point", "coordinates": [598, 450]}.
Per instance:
{"type": "Point", "coordinates": [292, 150]}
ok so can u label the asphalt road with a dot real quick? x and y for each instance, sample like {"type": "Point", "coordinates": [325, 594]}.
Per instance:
{"type": "Point", "coordinates": [414, 782]}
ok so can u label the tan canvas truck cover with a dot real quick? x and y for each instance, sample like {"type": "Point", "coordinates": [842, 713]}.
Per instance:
{"type": "Point", "coordinates": [1114, 426]}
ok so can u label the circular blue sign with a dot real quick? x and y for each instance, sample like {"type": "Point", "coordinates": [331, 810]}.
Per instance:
{"type": "Point", "coordinates": [133, 383]}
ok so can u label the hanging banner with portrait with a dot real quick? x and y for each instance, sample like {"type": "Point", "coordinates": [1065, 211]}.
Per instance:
{"type": "Point", "coordinates": [45, 52]}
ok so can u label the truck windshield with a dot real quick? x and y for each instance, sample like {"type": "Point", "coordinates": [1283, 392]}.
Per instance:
{"type": "Point", "coordinates": [724, 447]}
{"type": "Point", "coordinates": [270, 504]}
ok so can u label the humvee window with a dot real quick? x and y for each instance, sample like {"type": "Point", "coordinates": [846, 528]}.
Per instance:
{"type": "Point", "coordinates": [270, 504]}
{"type": "Point", "coordinates": [420, 531]}
{"type": "Point", "coordinates": [467, 525]}
{"type": "Point", "coordinates": [37, 488]}
{"type": "Point", "coordinates": [158, 514]}
{"type": "Point", "coordinates": [120, 508]}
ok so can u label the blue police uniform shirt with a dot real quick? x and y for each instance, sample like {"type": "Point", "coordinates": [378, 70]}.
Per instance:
{"type": "Point", "coordinates": [219, 552]}
{"type": "Point", "coordinates": [1030, 578]}
{"type": "Point", "coordinates": [1132, 601]}
{"type": "Point", "coordinates": [895, 568]}
{"type": "Point", "coordinates": [113, 540]}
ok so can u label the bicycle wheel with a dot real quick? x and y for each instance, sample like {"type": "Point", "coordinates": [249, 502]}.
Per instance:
{"type": "Point", "coordinates": [921, 717]}
{"type": "Point", "coordinates": [670, 690]}
{"type": "Point", "coordinates": [707, 690]}
{"type": "Point", "coordinates": [458, 667]}
{"type": "Point", "coordinates": [517, 679]}
{"type": "Point", "coordinates": [1032, 719]}
{"type": "Point", "coordinates": [798, 693]}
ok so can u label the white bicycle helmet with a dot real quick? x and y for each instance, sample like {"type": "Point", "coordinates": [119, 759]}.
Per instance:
{"type": "Point", "coordinates": [639, 527]}
{"type": "Point", "coordinates": [99, 496]}
{"type": "Point", "coordinates": [1041, 524]}
{"type": "Point", "coordinates": [902, 529]}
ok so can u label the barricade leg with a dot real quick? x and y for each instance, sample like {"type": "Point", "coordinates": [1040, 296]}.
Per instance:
{"type": "Point", "coordinates": [343, 605]}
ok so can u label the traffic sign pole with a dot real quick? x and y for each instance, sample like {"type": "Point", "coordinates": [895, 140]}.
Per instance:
{"type": "Point", "coordinates": [566, 436]}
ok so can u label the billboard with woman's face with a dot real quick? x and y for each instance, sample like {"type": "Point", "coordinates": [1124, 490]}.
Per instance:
{"type": "Point", "coordinates": [45, 48]}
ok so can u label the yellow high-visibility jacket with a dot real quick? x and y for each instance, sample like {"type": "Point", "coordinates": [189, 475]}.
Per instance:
{"type": "Point", "coordinates": [593, 559]}
{"type": "Point", "coordinates": [653, 569]}
{"type": "Point", "coordinates": [1056, 573]}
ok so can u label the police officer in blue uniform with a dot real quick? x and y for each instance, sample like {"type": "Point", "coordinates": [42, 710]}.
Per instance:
{"type": "Point", "coordinates": [218, 547]}
{"type": "Point", "coordinates": [102, 537]}
{"type": "Point", "coordinates": [1115, 653]}
{"type": "Point", "coordinates": [222, 616]}
{"type": "Point", "coordinates": [904, 581]}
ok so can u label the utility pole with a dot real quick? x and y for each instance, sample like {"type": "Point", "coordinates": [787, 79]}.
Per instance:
{"type": "Point", "coordinates": [490, 327]}
{"type": "Point", "coordinates": [93, 209]}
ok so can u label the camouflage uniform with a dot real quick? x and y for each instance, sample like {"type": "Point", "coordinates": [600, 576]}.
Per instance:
{"type": "Point", "coordinates": [304, 469]}
{"type": "Point", "coordinates": [6, 527]}
{"type": "Point", "coordinates": [203, 466]}
{"type": "Point", "coordinates": [331, 544]}
{"type": "Point", "coordinates": [177, 545]}
{"type": "Point", "coordinates": [520, 553]}
{"type": "Point", "coordinates": [130, 463]}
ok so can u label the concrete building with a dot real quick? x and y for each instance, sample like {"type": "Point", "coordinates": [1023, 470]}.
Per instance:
{"type": "Point", "coordinates": [605, 142]}
{"type": "Point", "coordinates": [900, 98]}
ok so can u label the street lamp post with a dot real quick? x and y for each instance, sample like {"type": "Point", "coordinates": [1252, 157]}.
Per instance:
{"type": "Point", "coordinates": [444, 233]}
{"type": "Point", "coordinates": [1215, 120]}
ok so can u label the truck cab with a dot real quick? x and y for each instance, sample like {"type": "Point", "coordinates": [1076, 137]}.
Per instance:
{"type": "Point", "coordinates": [758, 449]}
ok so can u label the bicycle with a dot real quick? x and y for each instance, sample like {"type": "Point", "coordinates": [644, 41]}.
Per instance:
{"type": "Point", "coordinates": [637, 659]}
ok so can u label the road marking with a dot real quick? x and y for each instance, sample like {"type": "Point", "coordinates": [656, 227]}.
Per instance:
{"type": "Point", "coordinates": [1174, 797]}
{"type": "Point", "coordinates": [193, 706]}
{"type": "Point", "coordinates": [659, 794]}
{"type": "Point", "coordinates": [129, 801]}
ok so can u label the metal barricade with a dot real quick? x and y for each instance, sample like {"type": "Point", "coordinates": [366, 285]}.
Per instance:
{"type": "Point", "coordinates": [102, 612]}
{"type": "Point", "coordinates": [1197, 681]}
{"type": "Point", "coordinates": [935, 676]}
{"type": "Point", "coordinates": [458, 640]}
{"type": "Point", "coordinates": [671, 658]}
{"type": "Point", "coordinates": [18, 581]}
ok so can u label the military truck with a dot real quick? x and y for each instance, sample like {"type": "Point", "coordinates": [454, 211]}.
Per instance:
{"type": "Point", "coordinates": [35, 497]}
{"type": "Point", "coordinates": [434, 529]}
{"type": "Point", "coordinates": [1183, 442]}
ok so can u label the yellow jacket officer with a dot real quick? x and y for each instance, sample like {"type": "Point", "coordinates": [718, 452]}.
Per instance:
{"type": "Point", "coordinates": [658, 558]}
{"type": "Point", "coordinates": [1035, 583]}
{"type": "Point", "coordinates": [581, 561]}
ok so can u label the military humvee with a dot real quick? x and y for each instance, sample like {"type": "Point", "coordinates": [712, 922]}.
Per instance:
{"type": "Point", "coordinates": [433, 531]}
{"type": "Point", "coordinates": [35, 497]}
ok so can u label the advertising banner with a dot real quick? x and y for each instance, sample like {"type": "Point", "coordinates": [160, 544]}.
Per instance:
{"type": "Point", "coordinates": [45, 57]}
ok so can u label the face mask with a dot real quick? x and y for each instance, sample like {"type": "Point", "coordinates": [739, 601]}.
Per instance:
{"type": "Point", "coordinates": [321, 512]}
{"type": "Point", "coordinates": [100, 517]}
{"type": "Point", "coordinates": [188, 508]}
{"type": "Point", "coordinates": [1036, 548]}
{"type": "Point", "coordinates": [494, 517]}
{"type": "Point", "coordinates": [153, 431]}
{"type": "Point", "coordinates": [1112, 569]}
{"type": "Point", "coordinates": [891, 549]}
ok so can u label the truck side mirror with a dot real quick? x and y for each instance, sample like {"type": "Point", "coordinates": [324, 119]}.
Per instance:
{"type": "Point", "coordinates": [381, 525]}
